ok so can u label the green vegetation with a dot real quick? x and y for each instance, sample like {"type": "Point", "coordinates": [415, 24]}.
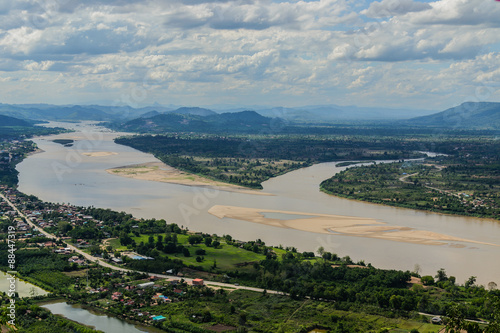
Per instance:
{"type": "Point", "coordinates": [64, 142]}
{"type": "Point", "coordinates": [40, 266]}
{"type": "Point", "coordinates": [465, 183]}
{"type": "Point", "coordinates": [324, 292]}
{"type": "Point", "coordinates": [13, 150]}
{"type": "Point", "coordinates": [12, 153]}
{"type": "Point", "coordinates": [31, 318]}
{"type": "Point", "coordinates": [248, 161]}
{"type": "Point", "coordinates": [21, 132]}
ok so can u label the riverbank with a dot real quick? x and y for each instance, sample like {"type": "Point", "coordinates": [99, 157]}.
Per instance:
{"type": "Point", "coordinates": [160, 172]}
{"type": "Point", "coordinates": [338, 225]}
{"type": "Point", "coordinates": [100, 318]}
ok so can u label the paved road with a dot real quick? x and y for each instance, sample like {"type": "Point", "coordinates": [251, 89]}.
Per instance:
{"type": "Point", "coordinates": [189, 280]}
{"type": "Point", "coordinates": [106, 264]}
{"type": "Point", "coordinates": [403, 179]}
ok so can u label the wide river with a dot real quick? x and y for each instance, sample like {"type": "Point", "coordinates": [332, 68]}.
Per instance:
{"type": "Point", "coordinates": [69, 175]}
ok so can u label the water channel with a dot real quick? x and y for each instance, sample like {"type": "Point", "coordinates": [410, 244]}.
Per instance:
{"type": "Point", "coordinates": [70, 175]}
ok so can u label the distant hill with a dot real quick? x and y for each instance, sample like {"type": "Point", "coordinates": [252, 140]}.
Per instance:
{"type": "Point", "coordinates": [11, 121]}
{"type": "Point", "coordinates": [55, 112]}
{"type": "Point", "coordinates": [470, 115]}
{"type": "Point", "coordinates": [194, 111]}
{"type": "Point", "coordinates": [339, 114]}
{"type": "Point", "coordinates": [119, 114]}
{"type": "Point", "coordinates": [150, 114]}
{"type": "Point", "coordinates": [241, 122]}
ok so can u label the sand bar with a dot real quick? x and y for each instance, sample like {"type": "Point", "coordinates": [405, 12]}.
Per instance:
{"type": "Point", "coordinates": [339, 225]}
{"type": "Point", "coordinates": [161, 172]}
{"type": "Point", "coordinates": [100, 154]}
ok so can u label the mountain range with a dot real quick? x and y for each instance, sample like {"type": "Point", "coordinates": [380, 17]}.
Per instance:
{"type": "Point", "coordinates": [314, 113]}
{"type": "Point", "coordinates": [483, 115]}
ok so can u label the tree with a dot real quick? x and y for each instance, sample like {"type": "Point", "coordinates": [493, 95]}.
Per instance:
{"type": "Point", "coordinates": [492, 285]}
{"type": "Point", "coordinates": [427, 280]}
{"type": "Point", "coordinates": [200, 252]}
{"type": "Point", "coordinates": [63, 227]}
{"type": "Point", "coordinates": [441, 275]}
{"type": "Point", "coordinates": [95, 249]}
{"type": "Point", "coordinates": [396, 301]}
{"type": "Point", "coordinates": [195, 239]}
{"type": "Point", "coordinates": [321, 250]}
{"type": "Point", "coordinates": [125, 239]}
{"type": "Point", "coordinates": [470, 282]}
{"type": "Point", "coordinates": [185, 252]}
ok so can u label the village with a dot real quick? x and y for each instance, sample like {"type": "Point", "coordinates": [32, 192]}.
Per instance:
{"type": "Point", "coordinates": [139, 296]}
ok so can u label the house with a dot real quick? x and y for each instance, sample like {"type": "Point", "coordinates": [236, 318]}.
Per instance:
{"type": "Point", "coordinates": [117, 260]}
{"type": "Point", "coordinates": [160, 298]}
{"type": "Point", "coordinates": [198, 282]}
{"type": "Point", "coordinates": [436, 320]}
{"type": "Point", "coordinates": [116, 296]}
{"type": "Point", "coordinates": [158, 318]}
{"type": "Point", "coordinates": [146, 285]}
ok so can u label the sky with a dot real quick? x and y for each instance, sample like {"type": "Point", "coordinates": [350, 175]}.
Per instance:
{"type": "Point", "coordinates": [388, 53]}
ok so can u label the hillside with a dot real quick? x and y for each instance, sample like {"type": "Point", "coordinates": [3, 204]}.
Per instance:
{"type": "Point", "coordinates": [11, 121]}
{"type": "Point", "coordinates": [242, 122]}
{"type": "Point", "coordinates": [194, 111]}
{"type": "Point", "coordinates": [483, 115]}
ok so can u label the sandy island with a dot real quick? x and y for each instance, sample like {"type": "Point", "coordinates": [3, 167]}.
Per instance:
{"type": "Point", "coordinates": [100, 154]}
{"type": "Point", "coordinates": [161, 172]}
{"type": "Point", "coordinates": [340, 225]}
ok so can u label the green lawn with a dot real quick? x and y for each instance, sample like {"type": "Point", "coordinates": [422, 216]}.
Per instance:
{"type": "Point", "coordinates": [226, 256]}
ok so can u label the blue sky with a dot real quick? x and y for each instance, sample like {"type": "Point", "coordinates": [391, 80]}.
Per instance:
{"type": "Point", "coordinates": [394, 53]}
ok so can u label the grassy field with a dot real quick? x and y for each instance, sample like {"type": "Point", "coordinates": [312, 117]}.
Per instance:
{"type": "Point", "coordinates": [226, 257]}
{"type": "Point", "coordinates": [273, 313]}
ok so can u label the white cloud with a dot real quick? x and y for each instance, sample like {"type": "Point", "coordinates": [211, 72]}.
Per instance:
{"type": "Point", "coordinates": [277, 52]}
{"type": "Point", "coordinates": [460, 12]}
{"type": "Point", "coordinates": [38, 66]}
{"type": "Point", "coordinates": [387, 8]}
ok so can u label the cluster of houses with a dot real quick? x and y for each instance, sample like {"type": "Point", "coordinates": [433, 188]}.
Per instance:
{"type": "Point", "coordinates": [77, 260]}
{"type": "Point", "coordinates": [9, 150]}
{"type": "Point", "coordinates": [150, 293]}
{"type": "Point", "coordinates": [68, 213]}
